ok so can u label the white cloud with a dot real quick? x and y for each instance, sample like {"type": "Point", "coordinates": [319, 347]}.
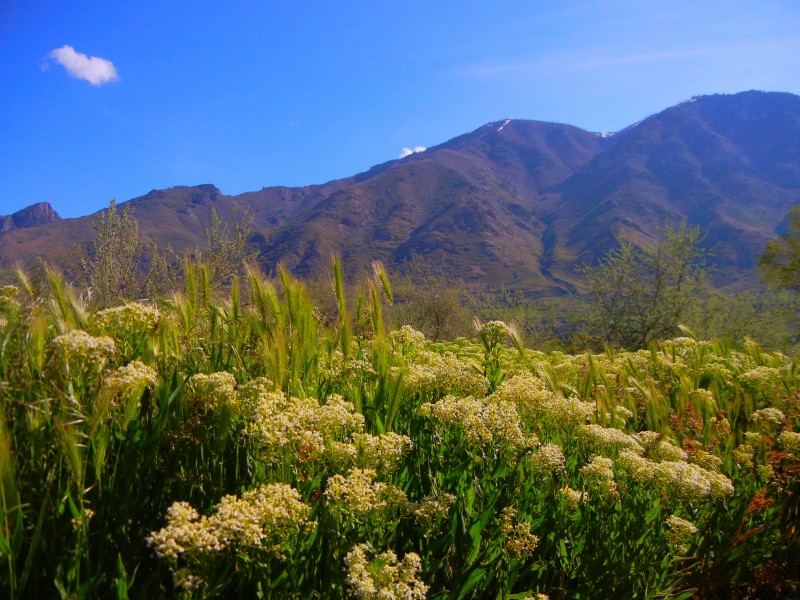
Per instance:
{"type": "Point", "coordinates": [409, 151]}
{"type": "Point", "coordinates": [93, 69]}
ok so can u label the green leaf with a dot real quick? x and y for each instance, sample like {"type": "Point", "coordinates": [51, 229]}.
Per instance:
{"type": "Point", "coordinates": [121, 580]}
{"type": "Point", "coordinates": [475, 535]}
{"type": "Point", "coordinates": [5, 547]}
{"type": "Point", "coordinates": [122, 589]}
{"type": "Point", "coordinates": [652, 514]}
{"type": "Point", "coordinates": [473, 579]}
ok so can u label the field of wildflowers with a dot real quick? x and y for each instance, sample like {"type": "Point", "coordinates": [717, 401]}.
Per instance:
{"type": "Point", "coordinates": [239, 444]}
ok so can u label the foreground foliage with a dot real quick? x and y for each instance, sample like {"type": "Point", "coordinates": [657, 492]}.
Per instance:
{"type": "Point", "coordinates": [780, 262]}
{"type": "Point", "coordinates": [209, 446]}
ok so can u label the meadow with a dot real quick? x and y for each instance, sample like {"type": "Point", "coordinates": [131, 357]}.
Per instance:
{"type": "Point", "coordinates": [240, 443]}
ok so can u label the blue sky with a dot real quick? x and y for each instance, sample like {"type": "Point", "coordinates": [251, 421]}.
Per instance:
{"type": "Point", "coordinates": [252, 94]}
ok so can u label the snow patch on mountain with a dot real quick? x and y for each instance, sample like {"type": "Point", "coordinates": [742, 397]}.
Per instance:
{"type": "Point", "coordinates": [409, 151]}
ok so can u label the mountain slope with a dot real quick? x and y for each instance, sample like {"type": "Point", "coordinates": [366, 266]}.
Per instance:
{"type": "Point", "coordinates": [468, 204]}
{"type": "Point", "coordinates": [514, 202]}
{"type": "Point", "coordinates": [730, 164]}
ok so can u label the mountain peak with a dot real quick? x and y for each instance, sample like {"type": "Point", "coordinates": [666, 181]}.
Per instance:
{"type": "Point", "coordinates": [40, 213]}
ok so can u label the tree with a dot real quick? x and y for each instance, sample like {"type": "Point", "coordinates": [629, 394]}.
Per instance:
{"type": "Point", "coordinates": [767, 316]}
{"type": "Point", "coordinates": [226, 249]}
{"type": "Point", "coordinates": [427, 302]}
{"type": "Point", "coordinates": [109, 267]}
{"type": "Point", "coordinates": [120, 264]}
{"type": "Point", "coordinates": [641, 294]}
{"type": "Point", "coordinates": [112, 267]}
{"type": "Point", "coordinates": [780, 263]}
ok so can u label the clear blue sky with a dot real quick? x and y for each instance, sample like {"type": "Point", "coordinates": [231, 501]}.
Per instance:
{"type": "Point", "coordinates": [251, 94]}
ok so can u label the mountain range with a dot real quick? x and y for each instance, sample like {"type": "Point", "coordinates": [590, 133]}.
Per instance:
{"type": "Point", "coordinates": [516, 202]}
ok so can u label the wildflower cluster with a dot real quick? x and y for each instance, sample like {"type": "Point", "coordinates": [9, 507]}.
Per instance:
{"type": "Point", "coordinates": [432, 510]}
{"type": "Point", "coordinates": [790, 442]}
{"type": "Point", "coordinates": [658, 448]}
{"type": "Point", "coordinates": [744, 454]}
{"type": "Point", "coordinates": [213, 390]}
{"type": "Point", "coordinates": [686, 348]}
{"type": "Point", "coordinates": [706, 460]}
{"type": "Point", "coordinates": [769, 419]}
{"type": "Point", "coordinates": [483, 423]}
{"type": "Point", "coordinates": [381, 452]}
{"type": "Point", "coordinates": [679, 533]}
{"type": "Point", "coordinates": [679, 481]}
{"type": "Point", "coordinates": [8, 292]}
{"type": "Point", "coordinates": [534, 402]}
{"type": "Point", "coordinates": [129, 319]}
{"type": "Point", "coordinates": [721, 426]}
{"type": "Point", "coordinates": [299, 423]}
{"type": "Point", "coordinates": [78, 346]}
{"type": "Point", "coordinates": [79, 358]}
{"type": "Point", "coordinates": [337, 370]}
{"type": "Point", "coordinates": [716, 370]}
{"type": "Point", "coordinates": [763, 381]}
{"type": "Point", "coordinates": [358, 498]}
{"type": "Point", "coordinates": [519, 541]}
{"type": "Point", "coordinates": [494, 333]}
{"type": "Point", "coordinates": [267, 520]}
{"type": "Point", "coordinates": [621, 414]}
{"type": "Point", "coordinates": [384, 452]}
{"type": "Point", "coordinates": [407, 341]}
{"type": "Point", "coordinates": [547, 459]}
{"type": "Point", "coordinates": [383, 576]}
{"type": "Point", "coordinates": [607, 438]}
{"type": "Point", "coordinates": [432, 374]}
{"type": "Point", "coordinates": [133, 376]}
{"type": "Point", "coordinates": [598, 476]}
{"type": "Point", "coordinates": [573, 498]}
{"type": "Point", "coordinates": [568, 369]}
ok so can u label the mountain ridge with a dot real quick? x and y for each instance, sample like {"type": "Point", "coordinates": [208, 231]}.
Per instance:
{"type": "Point", "coordinates": [514, 202]}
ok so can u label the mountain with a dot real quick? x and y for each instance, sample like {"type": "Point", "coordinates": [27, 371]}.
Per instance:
{"type": "Point", "coordinates": [730, 164]}
{"type": "Point", "coordinates": [515, 202]}
{"type": "Point", "coordinates": [40, 213]}
{"type": "Point", "coordinates": [469, 205]}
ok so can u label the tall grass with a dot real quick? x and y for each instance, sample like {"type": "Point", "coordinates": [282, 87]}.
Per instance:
{"type": "Point", "coordinates": [235, 443]}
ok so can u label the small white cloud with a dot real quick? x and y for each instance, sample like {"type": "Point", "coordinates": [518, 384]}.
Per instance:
{"type": "Point", "coordinates": [93, 69]}
{"type": "Point", "coordinates": [409, 151]}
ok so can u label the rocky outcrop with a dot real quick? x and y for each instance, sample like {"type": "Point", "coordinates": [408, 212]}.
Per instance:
{"type": "Point", "coordinates": [40, 213]}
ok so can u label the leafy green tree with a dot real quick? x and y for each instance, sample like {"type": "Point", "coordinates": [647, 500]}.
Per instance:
{"type": "Point", "coordinates": [109, 267]}
{"type": "Point", "coordinates": [121, 264]}
{"type": "Point", "coordinates": [640, 295]}
{"type": "Point", "coordinates": [780, 263]}
{"type": "Point", "coordinates": [163, 272]}
{"type": "Point", "coordinates": [429, 304]}
{"type": "Point", "coordinates": [768, 317]}
{"type": "Point", "coordinates": [226, 247]}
